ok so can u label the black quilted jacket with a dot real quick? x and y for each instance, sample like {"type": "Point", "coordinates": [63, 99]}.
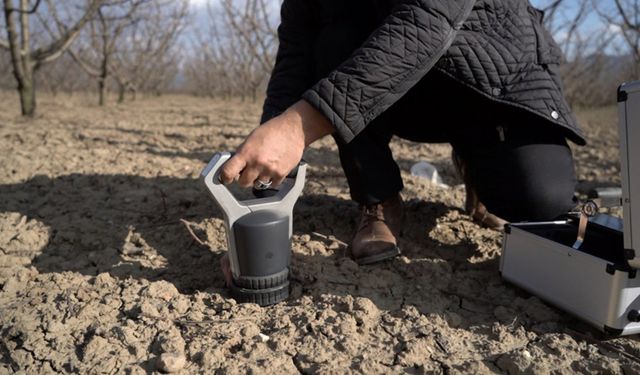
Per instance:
{"type": "Point", "coordinates": [498, 48]}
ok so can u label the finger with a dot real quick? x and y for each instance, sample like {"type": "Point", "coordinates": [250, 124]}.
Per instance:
{"type": "Point", "coordinates": [248, 176]}
{"type": "Point", "coordinates": [232, 169]}
{"type": "Point", "coordinates": [264, 178]}
{"type": "Point", "coordinates": [278, 180]}
{"type": "Point", "coordinates": [225, 266]}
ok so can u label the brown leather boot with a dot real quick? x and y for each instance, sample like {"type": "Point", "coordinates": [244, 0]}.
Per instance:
{"type": "Point", "coordinates": [376, 238]}
{"type": "Point", "coordinates": [480, 214]}
{"type": "Point", "coordinates": [473, 206]}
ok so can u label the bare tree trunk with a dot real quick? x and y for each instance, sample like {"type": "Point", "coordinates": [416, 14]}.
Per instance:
{"type": "Point", "coordinates": [102, 88]}
{"type": "Point", "coordinates": [22, 65]}
{"type": "Point", "coordinates": [25, 60]}
{"type": "Point", "coordinates": [27, 86]}
{"type": "Point", "coordinates": [104, 64]}
{"type": "Point", "coordinates": [27, 97]}
{"type": "Point", "coordinates": [121, 92]}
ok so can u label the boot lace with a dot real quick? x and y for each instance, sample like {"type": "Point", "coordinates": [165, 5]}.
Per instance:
{"type": "Point", "coordinates": [370, 214]}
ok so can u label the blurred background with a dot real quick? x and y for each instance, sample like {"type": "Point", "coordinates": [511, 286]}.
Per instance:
{"type": "Point", "coordinates": [120, 49]}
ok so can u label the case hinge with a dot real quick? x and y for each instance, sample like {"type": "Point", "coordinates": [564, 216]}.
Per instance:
{"type": "Point", "coordinates": [622, 95]}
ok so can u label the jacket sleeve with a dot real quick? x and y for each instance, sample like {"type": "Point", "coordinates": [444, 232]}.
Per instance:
{"type": "Point", "coordinates": [391, 61]}
{"type": "Point", "coordinates": [293, 70]}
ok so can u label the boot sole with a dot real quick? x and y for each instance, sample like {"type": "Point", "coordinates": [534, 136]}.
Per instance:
{"type": "Point", "coordinates": [386, 255]}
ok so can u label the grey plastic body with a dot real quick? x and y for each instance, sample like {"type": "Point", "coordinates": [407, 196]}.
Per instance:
{"type": "Point", "coordinates": [261, 237]}
{"type": "Point", "coordinates": [597, 282]}
{"type": "Point", "coordinates": [258, 233]}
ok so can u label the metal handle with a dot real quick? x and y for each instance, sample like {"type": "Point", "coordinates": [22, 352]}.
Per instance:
{"type": "Point", "coordinates": [283, 201]}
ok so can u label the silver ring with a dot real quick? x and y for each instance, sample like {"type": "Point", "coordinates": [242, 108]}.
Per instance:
{"type": "Point", "coordinates": [261, 185]}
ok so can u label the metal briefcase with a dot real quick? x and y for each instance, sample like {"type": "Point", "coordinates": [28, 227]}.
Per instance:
{"type": "Point", "coordinates": [593, 276]}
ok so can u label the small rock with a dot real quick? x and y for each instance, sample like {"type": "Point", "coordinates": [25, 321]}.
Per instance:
{"type": "Point", "coordinates": [250, 331]}
{"type": "Point", "coordinates": [96, 347]}
{"type": "Point", "coordinates": [180, 304]}
{"type": "Point", "coordinates": [365, 312]}
{"type": "Point", "coordinates": [11, 286]}
{"type": "Point", "coordinates": [149, 310]}
{"type": "Point", "coordinates": [305, 238]}
{"type": "Point", "coordinates": [263, 337]}
{"type": "Point", "coordinates": [131, 249]}
{"type": "Point", "coordinates": [366, 305]}
{"type": "Point", "coordinates": [316, 247]}
{"type": "Point", "coordinates": [103, 279]}
{"type": "Point", "coordinates": [162, 290]}
{"type": "Point", "coordinates": [55, 327]}
{"type": "Point", "coordinates": [334, 245]}
{"type": "Point", "coordinates": [126, 335]}
{"type": "Point", "coordinates": [170, 341]}
{"type": "Point", "coordinates": [171, 362]}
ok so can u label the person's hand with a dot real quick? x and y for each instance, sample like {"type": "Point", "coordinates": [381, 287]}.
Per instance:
{"type": "Point", "coordinates": [225, 266]}
{"type": "Point", "coordinates": [274, 149]}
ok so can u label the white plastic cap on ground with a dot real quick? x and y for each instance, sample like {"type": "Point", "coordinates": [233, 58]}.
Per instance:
{"type": "Point", "coordinates": [428, 171]}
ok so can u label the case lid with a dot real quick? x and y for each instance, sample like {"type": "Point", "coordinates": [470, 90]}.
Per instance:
{"type": "Point", "coordinates": [629, 131]}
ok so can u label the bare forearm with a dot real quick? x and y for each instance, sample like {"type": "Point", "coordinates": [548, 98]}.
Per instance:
{"type": "Point", "coordinates": [313, 124]}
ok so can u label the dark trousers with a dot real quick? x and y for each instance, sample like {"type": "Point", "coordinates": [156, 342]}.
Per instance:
{"type": "Point", "coordinates": [520, 167]}
{"type": "Point", "coordinates": [526, 175]}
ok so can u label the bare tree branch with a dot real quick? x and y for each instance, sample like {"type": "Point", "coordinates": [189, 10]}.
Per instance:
{"type": "Point", "coordinates": [553, 6]}
{"type": "Point", "coordinates": [575, 24]}
{"type": "Point", "coordinates": [30, 11]}
{"type": "Point", "coordinates": [90, 70]}
{"type": "Point", "coordinates": [234, 55]}
{"type": "Point", "coordinates": [252, 33]}
{"type": "Point", "coordinates": [551, 9]}
{"type": "Point", "coordinates": [58, 47]}
{"type": "Point", "coordinates": [626, 17]}
{"type": "Point", "coordinates": [626, 21]}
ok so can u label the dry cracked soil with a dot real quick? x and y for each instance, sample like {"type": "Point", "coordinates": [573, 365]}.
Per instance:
{"type": "Point", "coordinates": [109, 246]}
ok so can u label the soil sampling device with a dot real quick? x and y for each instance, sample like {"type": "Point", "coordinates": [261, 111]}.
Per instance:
{"type": "Point", "coordinates": [258, 235]}
{"type": "Point", "coordinates": [587, 264]}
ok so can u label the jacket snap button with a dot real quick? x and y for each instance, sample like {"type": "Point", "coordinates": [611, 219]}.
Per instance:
{"type": "Point", "coordinates": [496, 91]}
{"type": "Point", "coordinates": [555, 115]}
